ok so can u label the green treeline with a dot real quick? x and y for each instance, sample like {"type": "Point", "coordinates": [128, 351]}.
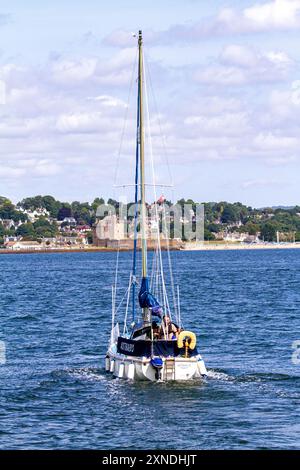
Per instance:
{"type": "Point", "coordinates": [219, 217]}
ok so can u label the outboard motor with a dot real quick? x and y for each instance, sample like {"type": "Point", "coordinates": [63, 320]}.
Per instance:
{"type": "Point", "coordinates": [157, 364]}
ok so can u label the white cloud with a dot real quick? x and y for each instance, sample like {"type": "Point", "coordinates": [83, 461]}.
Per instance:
{"type": "Point", "coordinates": [46, 167]}
{"type": "Point", "coordinates": [276, 15]}
{"type": "Point", "coordinates": [279, 58]}
{"type": "Point", "coordinates": [282, 160]}
{"type": "Point", "coordinates": [218, 74]}
{"type": "Point", "coordinates": [259, 183]}
{"type": "Point", "coordinates": [112, 71]}
{"type": "Point", "coordinates": [211, 104]}
{"type": "Point", "coordinates": [30, 168]}
{"type": "Point", "coordinates": [62, 122]}
{"type": "Point", "coordinates": [108, 100]}
{"type": "Point", "coordinates": [27, 94]}
{"type": "Point", "coordinates": [18, 128]}
{"type": "Point", "coordinates": [249, 57]}
{"type": "Point", "coordinates": [242, 56]}
{"type": "Point", "coordinates": [10, 70]}
{"type": "Point", "coordinates": [63, 118]}
{"type": "Point", "coordinates": [240, 64]}
{"type": "Point", "coordinates": [66, 71]}
{"type": "Point", "coordinates": [271, 142]}
{"type": "Point", "coordinates": [79, 122]}
{"type": "Point", "coordinates": [8, 172]}
{"type": "Point", "coordinates": [222, 124]}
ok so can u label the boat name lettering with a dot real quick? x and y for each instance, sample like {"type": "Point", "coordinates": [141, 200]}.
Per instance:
{"type": "Point", "coordinates": [127, 347]}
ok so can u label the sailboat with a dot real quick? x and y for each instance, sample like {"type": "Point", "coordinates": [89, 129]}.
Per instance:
{"type": "Point", "coordinates": [155, 346]}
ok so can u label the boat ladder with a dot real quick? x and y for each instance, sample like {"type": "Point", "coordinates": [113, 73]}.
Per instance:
{"type": "Point", "coordinates": [169, 369]}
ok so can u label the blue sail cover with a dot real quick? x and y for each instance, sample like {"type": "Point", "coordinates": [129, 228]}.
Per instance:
{"type": "Point", "coordinates": [147, 300]}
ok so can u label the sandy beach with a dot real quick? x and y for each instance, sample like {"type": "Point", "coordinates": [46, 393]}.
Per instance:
{"type": "Point", "coordinates": [193, 246]}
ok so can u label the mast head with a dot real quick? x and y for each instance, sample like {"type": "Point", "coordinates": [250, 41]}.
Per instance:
{"type": "Point", "coordinates": [140, 37]}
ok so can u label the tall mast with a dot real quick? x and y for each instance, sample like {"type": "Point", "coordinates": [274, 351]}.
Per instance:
{"type": "Point", "coordinates": [136, 193]}
{"type": "Point", "coordinates": [142, 159]}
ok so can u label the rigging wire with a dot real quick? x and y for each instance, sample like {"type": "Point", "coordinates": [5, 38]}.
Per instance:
{"type": "Point", "coordinates": [116, 277]}
{"type": "Point", "coordinates": [165, 296]}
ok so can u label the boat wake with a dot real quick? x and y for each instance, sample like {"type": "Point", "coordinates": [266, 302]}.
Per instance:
{"type": "Point", "coordinates": [87, 373]}
{"type": "Point", "coordinates": [77, 374]}
{"type": "Point", "coordinates": [219, 375]}
{"type": "Point", "coordinates": [260, 378]}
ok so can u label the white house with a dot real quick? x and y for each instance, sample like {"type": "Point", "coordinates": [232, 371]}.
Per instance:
{"type": "Point", "coordinates": [24, 245]}
{"type": "Point", "coordinates": [237, 237]}
{"type": "Point", "coordinates": [69, 220]}
{"type": "Point", "coordinates": [8, 223]}
{"type": "Point", "coordinates": [35, 214]}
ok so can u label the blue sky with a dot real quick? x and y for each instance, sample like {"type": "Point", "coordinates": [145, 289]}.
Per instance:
{"type": "Point", "coordinates": [227, 87]}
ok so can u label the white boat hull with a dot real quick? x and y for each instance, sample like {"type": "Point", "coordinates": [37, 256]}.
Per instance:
{"type": "Point", "coordinates": [140, 368]}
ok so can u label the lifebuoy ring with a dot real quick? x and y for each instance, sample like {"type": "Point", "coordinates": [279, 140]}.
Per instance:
{"type": "Point", "coordinates": [186, 337]}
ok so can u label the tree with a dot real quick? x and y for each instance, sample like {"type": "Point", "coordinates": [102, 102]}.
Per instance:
{"type": "Point", "coordinates": [214, 228]}
{"type": "Point", "coordinates": [82, 212]}
{"type": "Point", "coordinates": [229, 214]}
{"type": "Point", "coordinates": [51, 205]}
{"type": "Point", "coordinates": [8, 211]}
{"type": "Point", "coordinates": [4, 200]}
{"type": "Point", "coordinates": [41, 202]}
{"type": "Point", "coordinates": [64, 211]}
{"type": "Point", "coordinates": [251, 228]}
{"type": "Point", "coordinates": [98, 201]}
{"type": "Point", "coordinates": [181, 202]}
{"type": "Point", "coordinates": [113, 202]}
{"type": "Point", "coordinates": [26, 230]}
{"type": "Point", "coordinates": [90, 237]}
{"type": "Point", "coordinates": [44, 229]}
{"type": "Point", "coordinates": [208, 235]}
{"type": "Point", "coordinates": [269, 231]}
{"type": "Point", "coordinates": [31, 203]}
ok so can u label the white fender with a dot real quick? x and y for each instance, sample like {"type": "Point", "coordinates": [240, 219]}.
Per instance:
{"type": "Point", "coordinates": [112, 365]}
{"type": "Point", "coordinates": [107, 364]}
{"type": "Point", "coordinates": [121, 370]}
{"type": "Point", "coordinates": [130, 373]}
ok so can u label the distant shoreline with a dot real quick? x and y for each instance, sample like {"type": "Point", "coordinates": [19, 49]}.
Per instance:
{"type": "Point", "coordinates": [212, 246]}
{"type": "Point", "coordinates": [206, 246]}
{"type": "Point", "coordinates": [57, 250]}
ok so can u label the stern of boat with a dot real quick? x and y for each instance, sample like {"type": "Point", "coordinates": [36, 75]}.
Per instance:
{"type": "Point", "coordinates": [156, 369]}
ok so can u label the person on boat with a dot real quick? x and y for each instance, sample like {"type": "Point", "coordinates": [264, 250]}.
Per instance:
{"type": "Point", "coordinates": [155, 330]}
{"type": "Point", "coordinates": [168, 329]}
